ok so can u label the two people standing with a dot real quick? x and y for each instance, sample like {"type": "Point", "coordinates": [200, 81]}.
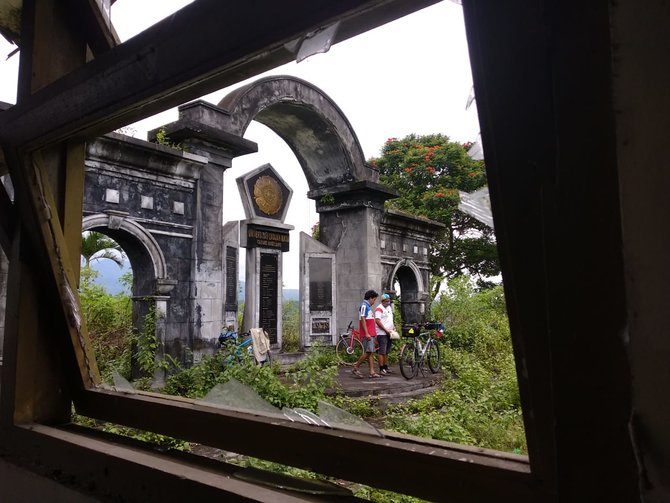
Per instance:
{"type": "Point", "coordinates": [374, 323]}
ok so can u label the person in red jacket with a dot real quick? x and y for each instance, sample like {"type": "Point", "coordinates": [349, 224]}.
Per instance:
{"type": "Point", "coordinates": [367, 327]}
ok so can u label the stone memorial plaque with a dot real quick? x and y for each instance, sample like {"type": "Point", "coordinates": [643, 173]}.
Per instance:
{"type": "Point", "coordinates": [320, 284]}
{"type": "Point", "coordinates": [267, 238]}
{"type": "Point", "coordinates": [269, 194]}
{"type": "Point", "coordinates": [231, 278]}
{"type": "Point", "coordinates": [269, 294]}
{"type": "Point", "coordinates": [320, 326]}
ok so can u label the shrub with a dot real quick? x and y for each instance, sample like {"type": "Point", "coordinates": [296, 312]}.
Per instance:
{"type": "Point", "coordinates": [480, 404]}
{"type": "Point", "coordinates": [110, 326]}
{"type": "Point", "coordinates": [303, 386]}
{"type": "Point", "coordinates": [290, 326]}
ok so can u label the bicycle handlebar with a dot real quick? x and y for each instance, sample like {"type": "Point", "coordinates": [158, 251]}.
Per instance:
{"type": "Point", "coordinates": [428, 325]}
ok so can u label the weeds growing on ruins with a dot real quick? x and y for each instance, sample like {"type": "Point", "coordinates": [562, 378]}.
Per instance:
{"type": "Point", "coordinates": [477, 404]}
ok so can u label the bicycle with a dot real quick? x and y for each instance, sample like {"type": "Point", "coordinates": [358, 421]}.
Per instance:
{"type": "Point", "coordinates": [350, 346]}
{"type": "Point", "coordinates": [238, 352]}
{"type": "Point", "coordinates": [414, 354]}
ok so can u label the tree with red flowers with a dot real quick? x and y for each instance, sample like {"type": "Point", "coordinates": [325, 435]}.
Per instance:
{"type": "Point", "coordinates": [428, 171]}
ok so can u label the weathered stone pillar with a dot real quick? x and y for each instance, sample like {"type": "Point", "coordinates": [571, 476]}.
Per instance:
{"type": "Point", "coordinates": [265, 197]}
{"type": "Point", "coordinates": [198, 131]}
{"type": "Point", "coordinates": [349, 220]}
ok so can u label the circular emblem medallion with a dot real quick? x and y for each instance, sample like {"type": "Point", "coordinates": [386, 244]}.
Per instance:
{"type": "Point", "coordinates": [267, 194]}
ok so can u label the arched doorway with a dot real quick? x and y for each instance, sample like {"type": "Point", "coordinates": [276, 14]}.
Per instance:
{"type": "Point", "coordinates": [349, 199]}
{"type": "Point", "coordinates": [151, 287]}
{"type": "Point", "coordinates": [407, 278]}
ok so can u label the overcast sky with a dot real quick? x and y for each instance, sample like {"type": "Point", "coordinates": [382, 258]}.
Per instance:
{"type": "Point", "coordinates": [409, 76]}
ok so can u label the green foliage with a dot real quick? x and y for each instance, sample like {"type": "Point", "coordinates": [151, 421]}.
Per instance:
{"type": "Point", "coordinates": [116, 343]}
{"type": "Point", "coordinates": [363, 407]}
{"type": "Point", "coordinates": [97, 246]}
{"type": "Point", "coordinates": [110, 327]}
{"type": "Point", "coordinates": [478, 406]}
{"type": "Point", "coordinates": [145, 345]}
{"type": "Point", "coordinates": [240, 315]}
{"type": "Point", "coordinates": [474, 321]}
{"type": "Point", "coordinates": [381, 496]}
{"type": "Point", "coordinates": [318, 357]}
{"type": "Point", "coordinates": [312, 376]}
{"type": "Point", "coordinates": [290, 326]}
{"type": "Point", "coordinates": [478, 403]}
{"type": "Point", "coordinates": [428, 171]}
{"type": "Point", "coordinates": [156, 439]}
{"type": "Point", "coordinates": [126, 279]}
{"type": "Point", "coordinates": [162, 138]}
{"type": "Point", "coordinates": [302, 386]}
{"type": "Point", "coordinates": [327, 198]}
{"type": "Point", "coordinates": [161, 441]}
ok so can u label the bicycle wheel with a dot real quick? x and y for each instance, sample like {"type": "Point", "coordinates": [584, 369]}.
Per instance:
{"type": "Point", "coordinates": [348, 350]}
{"type": "Point", "coordinates": [408, 361]}
{"type": "Point", "coordinates": [231, 356]}
{"type": "Point", "coordinates": [433, 357]}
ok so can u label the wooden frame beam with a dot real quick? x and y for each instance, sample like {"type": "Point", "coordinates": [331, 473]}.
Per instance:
{"type": "Point", "coordinates": [469, 473]}
{"type": "Point", "coordinates": [99, 32]}
{"type": "Point", "coordinates": [548, 128]}
{"type": "Point", "coordinates": [7, 220]}
{"type": "Point", "coordinates": [121, 469]}
{"type": "Point", "coordinates": [43, 228]}
{"type": "Point", "coordinates": [172, 62]}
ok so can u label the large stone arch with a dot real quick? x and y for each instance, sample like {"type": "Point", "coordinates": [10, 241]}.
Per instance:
{"type": "Point", "coordinates": [349, 199]}
{"type": "Point", "coordinates": [313, 126]}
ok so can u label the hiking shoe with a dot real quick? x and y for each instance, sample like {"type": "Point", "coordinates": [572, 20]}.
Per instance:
{"type": "Point", "coordinates": [384, 372]}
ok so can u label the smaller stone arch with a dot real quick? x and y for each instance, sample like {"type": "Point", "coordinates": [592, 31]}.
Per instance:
{"type": "Point", "coordinates": [119, 228]}
{"type": "Point", "coordinates": [411, 265]}
{"type": "Point", "coordinates": [413, 288]}
{"type": "Point", "coordinates": [151, 286]}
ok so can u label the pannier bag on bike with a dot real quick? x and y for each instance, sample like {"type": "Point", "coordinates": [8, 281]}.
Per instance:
{"type": "Point", "coordinates": [410, 331]}
{"type": "Point", "coordinates": [228, 336]}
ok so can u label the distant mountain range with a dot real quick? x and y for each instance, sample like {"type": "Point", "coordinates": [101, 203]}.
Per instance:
{"type": "Point", "coordinates": [289, 293]}
{"type": "Point", "coordinates": [110, 274]}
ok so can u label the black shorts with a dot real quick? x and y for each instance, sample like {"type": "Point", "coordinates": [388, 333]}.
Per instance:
{"type": "Point", "coordinates": [384, 344]}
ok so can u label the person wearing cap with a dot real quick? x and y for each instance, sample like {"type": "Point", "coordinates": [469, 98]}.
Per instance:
{"type": "Point", "coordinates": [384, 322]}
